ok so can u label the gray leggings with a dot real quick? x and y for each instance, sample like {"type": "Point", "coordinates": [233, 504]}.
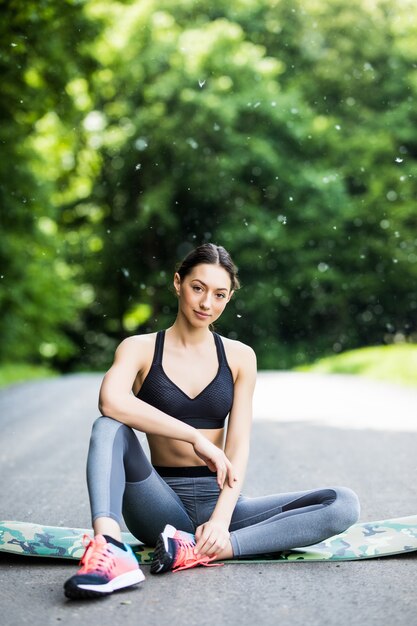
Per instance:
{"type": "Point", "coordinates": [123, 484]}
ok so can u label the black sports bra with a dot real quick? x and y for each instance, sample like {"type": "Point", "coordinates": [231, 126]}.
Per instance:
{"type": "Point", "coordinates": [207, 410]}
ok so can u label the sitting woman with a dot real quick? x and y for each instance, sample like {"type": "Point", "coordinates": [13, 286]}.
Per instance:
{"type": "Point", "coordinates": [187, 502]}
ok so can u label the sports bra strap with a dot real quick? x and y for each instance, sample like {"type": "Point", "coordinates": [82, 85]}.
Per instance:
{"type": "Point", "coordinates": [221, 354]}
{"type": "Point", "coordinates": [159, 348]}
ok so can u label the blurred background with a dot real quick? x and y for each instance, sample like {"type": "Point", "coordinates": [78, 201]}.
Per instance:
{"type": "Point", "coordinates": [284, 130]}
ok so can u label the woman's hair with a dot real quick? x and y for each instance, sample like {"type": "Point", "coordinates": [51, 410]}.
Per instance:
{"type": "Point", "coordinates": [213, 255]}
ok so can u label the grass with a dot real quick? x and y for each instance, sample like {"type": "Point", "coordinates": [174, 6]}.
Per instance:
{"type": "Point", "coordinates": [21, 372]}
{"type": "Point", "coordinates": [394, 363]}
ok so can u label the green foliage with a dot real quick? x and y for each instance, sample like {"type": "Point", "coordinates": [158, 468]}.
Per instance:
{"type": "Point", "coordinates": [281, 129]}
{"type": "Point", "coordinates": [395, 364]}
{"type": "Point", "coordinates": [39, 295]}
{"type": "Point", "coordinates": [11, 373]}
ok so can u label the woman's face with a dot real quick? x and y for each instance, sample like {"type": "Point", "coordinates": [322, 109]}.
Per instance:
{"type": "Point", "coordinates": [203, 293]}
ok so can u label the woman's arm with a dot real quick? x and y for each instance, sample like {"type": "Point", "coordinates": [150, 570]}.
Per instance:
{"type": "Point", "coordinates": [117, 401]}
{"type": "Point", "coordinates": [212, 536]}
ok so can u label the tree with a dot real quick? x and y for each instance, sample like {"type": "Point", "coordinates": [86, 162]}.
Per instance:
{"type": "Point", "coordinates": [40, 57]}
{"type": "Point", "coordinates": [283, 130]}
{"type": "Point", "coordinates": [216, 128]}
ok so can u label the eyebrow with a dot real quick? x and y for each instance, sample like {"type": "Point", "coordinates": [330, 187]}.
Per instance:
{"type": "Point", "coordinates": [217, 289]}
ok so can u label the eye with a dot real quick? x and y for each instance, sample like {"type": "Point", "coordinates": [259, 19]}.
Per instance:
{"type": "Point", "coordinates": [197, 288]}
{"type": "Point", "coordinates": [221, 295]}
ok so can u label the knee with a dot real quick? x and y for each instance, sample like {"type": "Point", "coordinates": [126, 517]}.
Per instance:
{"type": "Point", "coordinates": [349, 506]}
{"type": "Point", "coordinates": [346, 509]}
{"type": "Point", "coordinates": [104, 424]}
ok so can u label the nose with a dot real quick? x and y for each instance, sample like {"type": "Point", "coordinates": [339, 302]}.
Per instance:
{"type": "Point", "coordinates": [205, 302]}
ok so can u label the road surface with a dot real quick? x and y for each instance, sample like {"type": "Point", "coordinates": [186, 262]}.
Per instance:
{"type": "Point", "coordinates": [309, 431]}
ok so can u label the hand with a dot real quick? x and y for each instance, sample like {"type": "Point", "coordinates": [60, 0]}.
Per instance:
{"type": "Point", "coordinates": [216, 460]}
{"type": "Point", "coordinates": [211, 538]}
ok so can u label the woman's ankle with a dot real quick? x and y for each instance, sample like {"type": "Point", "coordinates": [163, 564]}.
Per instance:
{"type": "Point", "coordinates": [107, 526]}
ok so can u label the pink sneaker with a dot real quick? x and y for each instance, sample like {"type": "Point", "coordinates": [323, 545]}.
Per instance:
{"type": "Point", "coordinates": [107, 565]}
{"type": "Point", "coordinates": [174, 551]}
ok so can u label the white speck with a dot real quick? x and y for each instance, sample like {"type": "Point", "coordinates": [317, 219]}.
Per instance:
{"type": "Point", "coordinates": [334, 227]}
{"type": "Point", "coordinates": [322, 267]}
{"type": "Point", "coordinates": [125, 272]}
{"type": "Point", "coordinates": [13, 45]}
{"type": "Point", "coordinates": [395, 260]}
{"type": "Point", "coordinates": [201, 83]}
{"type": "Point", "coordinates": [282, 219]}
{"type": "Point", "coordinates": [337, 127]}
{"type": "Point", "coordinates": [94, 122]}
{"type": "Point", "coordinates": [138, 166]}
{"type": "Point", "coordinates": [399, 160]}
{"type": "Point", "coordinates": [273, 103]}
{"type": "Point", "coordinates": [216, 127]}
{"type": "Point", "coordinates": [294, 111]}
{"type": "Point", "coordinates": [192, 143]}
{"type": "Point", "coordinates": [141, 143]}
{"type": "Point", "coordinates": [256, 105]}
{"type": "Point", "coordinates": [238, 315]}
{"type": "Point", "coordinates": [290, 198]}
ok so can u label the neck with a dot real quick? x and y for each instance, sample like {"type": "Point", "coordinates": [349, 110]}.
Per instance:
{"type": "Point", "coordinates": [187, 334]}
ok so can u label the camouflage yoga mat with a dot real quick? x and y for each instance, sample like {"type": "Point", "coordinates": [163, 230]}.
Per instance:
{"type": "Point", "coordinates": [362, 541]}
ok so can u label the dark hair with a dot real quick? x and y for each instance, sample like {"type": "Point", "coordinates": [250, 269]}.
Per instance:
{"type": "Point", "coordinates": [213, 255]}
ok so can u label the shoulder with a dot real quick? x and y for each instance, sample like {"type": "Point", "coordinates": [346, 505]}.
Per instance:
{"type": "Point", "coordinates": [240, 356]}
{"type": "Point", "coordinates": [136, 346]}
{"type": "Point", "coordinates": [238, 348]}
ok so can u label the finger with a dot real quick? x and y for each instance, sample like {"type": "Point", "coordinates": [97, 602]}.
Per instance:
{"type": "Point", "coordinates": [220, 478]}
{"type": "Point", "coordinates": [209, 548]}
{"type": "Point", "coordinates": [218, 546]}
{"type": "Point", "coordinates": [211, 465]}
{"type": "Point", "coordinates": [200, 542]}
{"type": "Point", "coordinates": [204, 542]}
{"type": "Point", "coordinates": [215, 548]}
{"type": "Point", "coordinates": [231, 476]}
{"type": "Point", "coordinates": [213, 551]}
{"type": "Point", "coordinates": [198, 532]}
{"type": "Point", "coordinates": [232, 479]}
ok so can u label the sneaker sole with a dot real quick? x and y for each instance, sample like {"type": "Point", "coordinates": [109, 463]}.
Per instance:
{"type": "Point", "coordinates": [74, 591]}
{"type": "Point", "coordinates": [162, 559]}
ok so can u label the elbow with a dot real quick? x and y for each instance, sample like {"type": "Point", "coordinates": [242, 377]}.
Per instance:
{"type": "Point", "coordinates": [114, 407]}
{"type": "Point", "coordinates": [105, 407]}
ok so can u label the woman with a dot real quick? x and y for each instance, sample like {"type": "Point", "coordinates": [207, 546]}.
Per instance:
{"type": "Point", "coordinates": [188, 503]}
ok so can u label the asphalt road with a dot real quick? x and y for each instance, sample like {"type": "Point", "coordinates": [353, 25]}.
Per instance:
{"type": "Point", "coordinates": [309, 431]}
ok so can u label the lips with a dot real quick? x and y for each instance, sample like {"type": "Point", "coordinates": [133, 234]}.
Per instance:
{"type": "Point", "coordinates": [201, 315]}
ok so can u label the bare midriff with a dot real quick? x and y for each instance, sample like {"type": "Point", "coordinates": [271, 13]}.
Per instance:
{"type": "Point", "coordinates": [166, 452]}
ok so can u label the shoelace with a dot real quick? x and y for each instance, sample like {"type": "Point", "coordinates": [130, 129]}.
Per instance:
{"type": "Point", "coordinates": [95, 557]}
{"type": "Point", "coordinates": [187, 559]}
